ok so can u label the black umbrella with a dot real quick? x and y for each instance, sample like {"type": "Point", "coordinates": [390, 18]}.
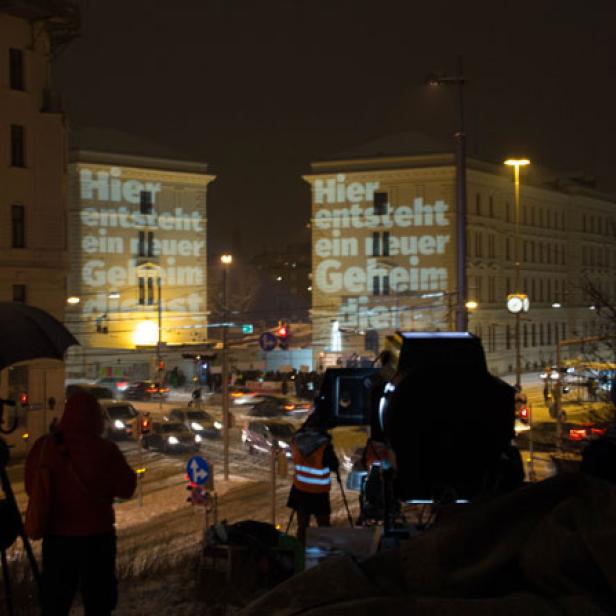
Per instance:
{"type": "Point", "coordinates": [27, 332]}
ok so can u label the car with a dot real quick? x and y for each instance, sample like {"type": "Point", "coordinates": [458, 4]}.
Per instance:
{"type": "Point", "coordinates": [145, 390]}
{"type": "Point", "coordinates": [241, 396]}
{"type": "Point", "coordinates": [261, 436]}
{"type": "Point", "coordinates": [99, 392]}
{"type": "Point", "coordinates": [121, 419]}
{"type": "Point", "coordinates": [117, 384]}
{"type": "Point", "coordinates": [171, 436]}
{"type": "Point", "coordinates": [198, 422]}
{"type": "Point", "coordinates": [274, 406]}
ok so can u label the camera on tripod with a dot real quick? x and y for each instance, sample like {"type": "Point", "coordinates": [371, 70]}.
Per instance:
{"type": "Point", "coordinates": [448, 422]}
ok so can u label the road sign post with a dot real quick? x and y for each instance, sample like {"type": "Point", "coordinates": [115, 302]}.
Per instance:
{"type": "Point", "coordinates": [267, 341]}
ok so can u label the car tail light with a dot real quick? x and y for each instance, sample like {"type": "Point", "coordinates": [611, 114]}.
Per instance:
{"type": "Point", "coordinates": [598, 431]}
{"type": "Point", "coordinates": [576, 434]}
{"type": "Point", "coordinates": [122, 385]}
{"type": "Point", "coordinates": [524, 412]}
{"type": "Point", "coordinates": [289, 407]}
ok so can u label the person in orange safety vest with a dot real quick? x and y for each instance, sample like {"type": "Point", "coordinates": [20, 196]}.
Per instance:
{"type": "Point", "coordinates": [314, 460]}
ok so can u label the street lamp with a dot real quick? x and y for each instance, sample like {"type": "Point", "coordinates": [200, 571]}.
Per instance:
{"type": "Point", "coordinates": [460, 137]}
{"type": "Point", "coordinates": [226, 260]}
{"type": "Point", "coordinates": [518, 302]}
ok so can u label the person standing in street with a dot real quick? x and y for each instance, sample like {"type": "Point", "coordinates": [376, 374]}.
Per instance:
{"type": "Point", "coordinates": [314, 459]}
{"type": "Point", "coordinates": [86, 473]}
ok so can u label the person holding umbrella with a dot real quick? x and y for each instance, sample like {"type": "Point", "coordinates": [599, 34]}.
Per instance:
{"type": "Point", "coordinates": [85, 473]}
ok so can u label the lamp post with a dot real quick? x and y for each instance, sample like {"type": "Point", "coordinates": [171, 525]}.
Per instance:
{"type": "Point", "coordinates": [226, 260]}
{"type": "Point", "coordinates": [515, 305]}
{"type": "Point", "coordinates": [460, 137]}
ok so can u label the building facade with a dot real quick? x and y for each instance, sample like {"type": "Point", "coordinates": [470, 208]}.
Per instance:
{"type": "Point", "coordinates": [138, 255]}
{"type": "Point", "coordinates": [384, 254]}
{"type": "Point", "coordinates": [33, 189]}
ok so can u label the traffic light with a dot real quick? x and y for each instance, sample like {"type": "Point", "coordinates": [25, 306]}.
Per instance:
{"type": "Point", "coordinates": [283, 335]}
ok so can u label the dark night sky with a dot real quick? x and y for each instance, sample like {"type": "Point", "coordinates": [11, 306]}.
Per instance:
{"type": "Point", "coordinates": [260, 88]}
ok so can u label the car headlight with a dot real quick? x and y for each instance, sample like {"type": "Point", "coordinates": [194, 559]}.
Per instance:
{"type": "Point", "coordinates": [196, 426]}
{"type": "Point", "coordinates": [119, 424]}
{"type": "Point", "coordinates": [218, 425]}
{"type": "Point", "coordinates": [283, 445]}
{"type": "Point", "coordinates": [173, 440]}
{"type": "Point", "coordinates": [198, 438]}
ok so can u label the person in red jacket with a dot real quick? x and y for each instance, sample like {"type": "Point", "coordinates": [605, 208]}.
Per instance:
{"type": "Point", "coordinates": [86, 473]}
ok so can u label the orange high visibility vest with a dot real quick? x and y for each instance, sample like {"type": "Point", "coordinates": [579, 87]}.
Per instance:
{"type": "Point", "coordinates": [310, 474]}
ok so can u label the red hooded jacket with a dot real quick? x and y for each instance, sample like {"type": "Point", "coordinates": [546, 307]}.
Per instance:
{"type": "Point", "coordinates": [84, 505]}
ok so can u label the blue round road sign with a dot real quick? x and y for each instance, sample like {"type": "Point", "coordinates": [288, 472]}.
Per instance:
{"type": "Point", "coordinates": [267, 341]}
{"type": "Point", "coordinates": [198, 470]}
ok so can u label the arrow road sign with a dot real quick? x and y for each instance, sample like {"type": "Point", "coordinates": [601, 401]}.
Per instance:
{"type": "Point", "coordinates": [267, 341]}
{"type": "Point", "coordinates": [198, 470]}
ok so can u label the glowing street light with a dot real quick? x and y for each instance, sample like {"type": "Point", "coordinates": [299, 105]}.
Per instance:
{"type": "Point", "coordinates": [73, 300]}
{"type": "Point", "coordinates": [471, 305]}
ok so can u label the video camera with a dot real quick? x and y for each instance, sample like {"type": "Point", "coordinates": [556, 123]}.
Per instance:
{"type": "Point", "coordinates": [448, 420]}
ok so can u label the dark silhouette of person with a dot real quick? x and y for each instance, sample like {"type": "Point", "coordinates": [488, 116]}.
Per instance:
{"type": "Point", "coordinates": [86, 473]}
{"type": "Point", "coordinates": [599, 457]}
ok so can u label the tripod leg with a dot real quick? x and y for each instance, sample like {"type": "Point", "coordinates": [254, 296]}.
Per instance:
{"type": "Point", "coordinates": [346, 504]}
{"type": "Point", "coordinates": [290, 521]}
{"type": "Point", "coordinates": [7, 584]}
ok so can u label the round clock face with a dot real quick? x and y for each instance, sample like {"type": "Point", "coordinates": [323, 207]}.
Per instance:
{"type": "Point", "coordinates": [515, 304]}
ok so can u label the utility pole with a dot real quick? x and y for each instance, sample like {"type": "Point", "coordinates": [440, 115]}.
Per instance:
{"type": "Point", "coordinates": [160, 334]}
{"type": "Point", "coordinates": [461, 310]}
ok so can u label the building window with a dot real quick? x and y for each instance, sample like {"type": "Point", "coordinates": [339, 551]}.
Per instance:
{"type": "Point", "coordinates": [376, 244]}
{"type": "Point", "coordinates": [145, 202]}
{"type": "Point", "coordinates": [385, 243]}
{"type": "Point", "coordinates": [380, 203]}
{"type": "Point", "coordinates": [549, 332]}
{"type": "Point", "coordinates": [478, 204]}
{"type": "Point", "coordinates": [141, 244]}
{"type": "Point", "coordinates": [18, 155]}
{"type": "Point", "coordinates": [150, 299]}
{"type": "Point", "coordinates": [491, 246]}
{"type": "Point", "coordinates": [385, 285]}
{"type": "Point", "coordinates": [375, 285]}
{"type": "Point", "coordinates": [533, 335]}
{"type": "Point", "coordinates": [525, 336]}
{"type": "Point", "coordinates": [19, 293]}
{"type": "Point", "coordinates": [491, 206]}
{"type": "Point", "coordinates": [556, 339]}
{"type": "Point", "coordinates": [478, 244]}
{"type": "Point", "coordinates": [141, 291]}
{"type": "Point", "coordinates": [508, 249]}
{"type": "Point", "coordinates": [508, 337]}
{"type": "Point", "coordinates": [18, 226]}
{"type": "Point", "coordinates": [150, 243]}
{"type": "Point", "coordinates": [16, 69]}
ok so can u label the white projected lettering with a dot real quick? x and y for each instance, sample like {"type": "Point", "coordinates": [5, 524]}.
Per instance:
{"type": "Point", "coordinates": [116, 236]}
{"type": "Point", "coordinates": [368, 255]}
{"type": "Point", "coordinates": [109, 186]}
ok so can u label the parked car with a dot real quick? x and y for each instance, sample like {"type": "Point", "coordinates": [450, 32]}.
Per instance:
{"type": "Point", "coordinates": [260, 436]}
{"type": "Point", "coordinates": [145, 390]}
{"type": "Point", "coordinates": [171, 436]}
{"type": "Point", "coordinates": [99, 392]}
{"type": "Point", "coordinates": [274, 406]}
{"type": "Point", "coordinates": [198, 422]}
{"type": "Point", "coordinates": [121, 419]}
{"type": "Point", "coordinates": [117, 384]}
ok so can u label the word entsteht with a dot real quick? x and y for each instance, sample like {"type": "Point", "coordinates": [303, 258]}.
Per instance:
{"type": "Point", "coordinates": [178, 220]}
{"type": "Point", "coordinates": [356, 216]}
